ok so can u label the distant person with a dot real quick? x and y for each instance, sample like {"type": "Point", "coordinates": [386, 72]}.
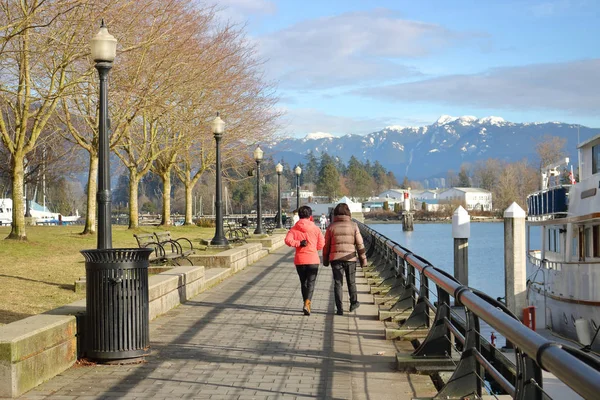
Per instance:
{"type": "Point", "coordinates": [323, 222]}
{"type": "Point", "coordinates": [295, 218]}
{"type": "Point", "coordinates": [308, 240]}
{"type": "Point", "coordinates": [342, 242]}
{"type": "Point", "coordinates": [244, 221]}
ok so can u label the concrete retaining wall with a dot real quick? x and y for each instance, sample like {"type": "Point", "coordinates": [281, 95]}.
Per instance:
{"type": "Point", "coordinates": [40, 347]}
{"type": "Point", "coordinates": [270, 242]}
{"type": "Point", "coordinates": [237, 258]}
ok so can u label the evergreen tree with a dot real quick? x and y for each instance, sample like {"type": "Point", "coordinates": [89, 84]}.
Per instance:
{"type": "Point", "coordinates": [463, 177]}
{"type": "Point", "coordinates": [311, 173]}
{"type": "Point", "coordinates": [120, 195]}
{"type": "Point", "coordinates": [359, 182]}
{"type": "Point", "coordinates": [329, 182]}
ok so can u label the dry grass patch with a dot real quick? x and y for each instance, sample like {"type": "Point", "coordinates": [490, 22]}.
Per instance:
{"type": "Point", "coordinates": [38, 275]}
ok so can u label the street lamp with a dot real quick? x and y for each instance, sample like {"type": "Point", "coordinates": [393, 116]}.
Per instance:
{"type": "Point", "coordinates": [298, 171]}
{"type": "Point", "coordinates": [218, 127]}
{"type": "Point", "coordinates": [279, 170]}
{"type": "Point", "coordinates": [258, 155]}
{"type": "Point", "coordinates": [117, 307]}
{"type": "Point", "coordinates": [104, 51]}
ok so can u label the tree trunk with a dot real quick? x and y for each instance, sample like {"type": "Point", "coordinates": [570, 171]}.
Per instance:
{"type": "Point", "coordinates": [90, 217]}
{"type": "Point", "coordinates": [189, 189]}
{"type": "Point", "coordinates": [134, 182]}
{"type": "Point", "coordinates": [18, 210]}
{"type": "Point", "coordinates": [166, 197]}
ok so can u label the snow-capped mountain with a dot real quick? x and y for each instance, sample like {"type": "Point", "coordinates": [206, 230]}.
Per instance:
{"type": "Point", "coordinates": [430, 151]}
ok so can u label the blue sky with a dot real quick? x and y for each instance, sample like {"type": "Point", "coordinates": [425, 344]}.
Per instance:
{"type": "Point", "coordinates": [358, 66]}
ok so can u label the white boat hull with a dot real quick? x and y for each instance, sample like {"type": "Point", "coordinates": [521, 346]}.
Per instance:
{"type": "Point", "coordinates": [560, 315]}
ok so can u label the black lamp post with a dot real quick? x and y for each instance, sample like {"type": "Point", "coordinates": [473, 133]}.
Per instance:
{"type": "Point", "coordinates": [117, 307]}
{"type": "Point", "coordinates": [218, 127]}
{"type": "Point", "coordinates": [258, 155]}
{"type": "Point", "coordinates": [104, 51]}
{"type": "Point", "coordinates": [298, 171]}
{"type": "Point", "coordinates": [279, 170]}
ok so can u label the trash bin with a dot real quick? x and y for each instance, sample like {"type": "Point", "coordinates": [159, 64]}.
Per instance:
{"type": "Point", "coordinates": [117, 322]}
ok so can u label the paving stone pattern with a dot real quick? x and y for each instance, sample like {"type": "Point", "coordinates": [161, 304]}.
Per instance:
{"type": "Point", "coordinates": [248, 339]}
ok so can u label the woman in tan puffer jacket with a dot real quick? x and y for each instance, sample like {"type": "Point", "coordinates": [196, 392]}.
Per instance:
{"type": "Point", "coordinates": [342, 243]}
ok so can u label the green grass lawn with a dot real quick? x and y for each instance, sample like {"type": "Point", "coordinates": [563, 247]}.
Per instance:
{"type": "Point", "coordinates": [38, 275]}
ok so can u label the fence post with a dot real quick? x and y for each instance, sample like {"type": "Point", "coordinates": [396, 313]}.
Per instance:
{"type": "Point", "coordinates": [461, 229]}
{"type": "Point", "coordinates": [515, 275]}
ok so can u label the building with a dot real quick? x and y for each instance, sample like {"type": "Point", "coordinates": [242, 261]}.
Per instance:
{"type": "Point", "coordinates": [394, 194]}
{"type": "Point", "coordinates": [376, 203]}
{"type": "Point", "coordinates": [289, 197]}
{"type": "Point", "coordinates": [425, 194]}
{"type": "Point", "coordinates": [431, 205]}
{"type": "Point", "coordinates": [471, 198]}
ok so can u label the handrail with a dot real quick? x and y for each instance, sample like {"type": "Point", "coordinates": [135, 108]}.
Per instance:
{"type": "Point", "coordinates": [578, 370]}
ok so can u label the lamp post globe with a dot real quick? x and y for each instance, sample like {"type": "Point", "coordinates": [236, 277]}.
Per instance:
{"type": "Point", "coordinates": [279, 170]}
{"type": "Point", "coordinates": [258, 155]}
{"type": "Point", "coordinates": [218, 128]}
{"type": "Point", "coordinates": [298, 171]}
{"type": "Point", "coordinates": [103, 50]}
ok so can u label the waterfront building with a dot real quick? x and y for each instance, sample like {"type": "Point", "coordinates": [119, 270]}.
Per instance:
{"type": "Point", "coordinates": [470, 198]}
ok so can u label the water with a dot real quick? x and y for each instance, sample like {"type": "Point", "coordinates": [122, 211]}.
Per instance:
{"type": "Point", "coordinates": [435, 243]}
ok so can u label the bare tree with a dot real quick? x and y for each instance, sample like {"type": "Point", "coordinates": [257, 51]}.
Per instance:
{"type": "Point", "coordinates": [550, 149]}
{"type": "Point", "coordinates": [40, 41]}
{"type": "Point", "coordinates": [486, 173]}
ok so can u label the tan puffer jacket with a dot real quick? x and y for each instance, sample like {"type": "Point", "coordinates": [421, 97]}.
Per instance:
{"type": "Point", "coordinates": [342, 241]}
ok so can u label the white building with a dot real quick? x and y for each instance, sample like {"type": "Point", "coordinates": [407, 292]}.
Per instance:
{"type": "Point", "coordinates": [397, 194]}
{"type": "Point", "coordinates": [425, 194]}
{"type": "Point", "coordinates": [431, 205]}
{"type": "Point", "coordinates": [377, 203]}
{"type": "Point", "coordinates": [471, 198]}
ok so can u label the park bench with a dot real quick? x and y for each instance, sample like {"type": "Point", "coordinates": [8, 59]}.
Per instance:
{"type": "Point", "coordinates": [181, 246]}
{"type": "Point", "coordinates": [269, 225]}
{"type": "Point", "coordinates": [159, 255]}
{"type": "Point", "coordinates": [236, 234]}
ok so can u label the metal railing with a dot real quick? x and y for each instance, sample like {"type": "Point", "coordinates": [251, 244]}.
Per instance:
{"type": "Point", "coordinates": [455, 329]}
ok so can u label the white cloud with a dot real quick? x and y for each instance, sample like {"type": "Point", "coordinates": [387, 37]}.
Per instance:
{"type": "Point", "coordinates": [301, 121]}
{"type": "Point", "coordinates": [572, 86]}
{"type": "Point", "coordinates": [238, 11]}
{"type": "Point", "coordinates": [351, 48]}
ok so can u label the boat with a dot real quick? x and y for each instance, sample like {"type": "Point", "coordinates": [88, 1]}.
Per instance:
{"type": "Point", "coordinates": [41, 214]}
{"type": "Point", "coordinates": [5, 211]}
{"type": "Point", "coordinates": [564, 286]}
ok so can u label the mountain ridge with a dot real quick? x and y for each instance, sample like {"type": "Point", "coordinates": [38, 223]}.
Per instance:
{"type": "Point", "coordinates": [428, 152]}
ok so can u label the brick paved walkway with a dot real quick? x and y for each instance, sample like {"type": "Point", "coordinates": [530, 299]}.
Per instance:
{"type": "Point", "coordinates": [247, 339]}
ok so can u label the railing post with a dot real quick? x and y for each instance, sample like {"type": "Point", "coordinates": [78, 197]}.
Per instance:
{"type": "Point", "coordinates": [419, 317]}
{"type": "Point", "coordinates": [437, 343]}
{"type": "Point", "coordinates": [466, 379]}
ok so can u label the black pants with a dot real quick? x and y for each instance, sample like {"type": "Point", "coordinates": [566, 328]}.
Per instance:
{"type": "Point", "coordinates": [308, 277]}
{"type": "Point", "coordinates": [339, 268]}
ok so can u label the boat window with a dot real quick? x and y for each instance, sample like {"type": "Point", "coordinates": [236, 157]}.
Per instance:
{"type": "Point", "coordinates": [596, 240]}
{"type": "Point", "coordinates": [596, 159]}
{"type": "Point", "coordinates": [588, 242]}
{"type": "Point", "coordinates": [553, 240]}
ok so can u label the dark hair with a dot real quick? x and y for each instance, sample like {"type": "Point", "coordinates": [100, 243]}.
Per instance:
{"type": "Point", "coordinates": [342, 209]}
{"type": "Point", "coordinates": [304, 212]}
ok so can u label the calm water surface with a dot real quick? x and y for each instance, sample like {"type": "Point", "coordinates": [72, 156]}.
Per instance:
{"type": "Point", "coordinates": [435, 243]}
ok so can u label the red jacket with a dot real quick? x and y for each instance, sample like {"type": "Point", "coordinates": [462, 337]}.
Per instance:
{"type": "Point", "coordinates": [305, 229]}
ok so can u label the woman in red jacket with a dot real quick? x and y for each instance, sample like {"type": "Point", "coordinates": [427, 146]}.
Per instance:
{"type": "Point", "coordinates": [307, 238]}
